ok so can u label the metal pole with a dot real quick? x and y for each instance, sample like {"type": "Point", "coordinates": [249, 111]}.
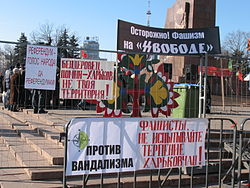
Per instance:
{"type": "Point", "coordinates": [220, 154]}
{"type": "Point", "coordinates": [192, 177]}
{"type": "Point", "coordinates": [200, 85]}
{"type": "Point", "coordinates": [205, 88]}
{"type": "Point", "coordinates": [101, 186]}
{"type": "Point", "coordinates": [234, 155]}
{"type": "Point", "coordinates": [159, 178]}
{"type": "Point", "coordinates": [134, 185]}
{"type": "Point", "coordinates": [208, 145]}
{"type": "Point", "coordinates": [118, 180]}
{"type": "Point", "coordinates": [150, 179]}
{"type": "Point", "coordinates": [179, 181]}
{"type": "Point", "coordinates": [241, 149]}
{"type": "Point", "coordinates": [116, 85]}
{"type": "Point", "coordinates": [84, 180]}
{"type": "Point", "coordinates": [65, 155]}
{"type": "Point", "coordinates": [240, 154]}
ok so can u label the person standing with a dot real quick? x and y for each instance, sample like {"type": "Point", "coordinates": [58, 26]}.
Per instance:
{"type": "Point", "coordinates": [1, 82]}
{"type": "Point", "coordinates": [6, 88]}
{"type": "Point", "coordinates": [38, 101]}
{"type": "Point", "coordinates": [14, 90]}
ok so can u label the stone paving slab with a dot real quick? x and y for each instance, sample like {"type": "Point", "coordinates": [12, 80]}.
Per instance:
{"type": "Point", "coordinates": [27, 156]}
{"type": "Point", "coordinates": [64, 116]}
{"type": "Point", "coordinates": [43, 144]}
{"type": "Point", "coordinates": [17, 177]}
{"type": "Point", "coordinates": [20, 148]}
{"type": "Point", "coordinates": [20, 180]}
{"type": "Point", "coordinates": [32, 136]}
{"type": "Point", "coordinates": [46, 174]}
{"type": "Point", "coordinates": [56, 119]}
{"type": "Point", "coordinates": [13, 138]}
{"type": "Point", "coordinates": [38, 122]}
{"type": "Point", "coordinates": [52, 152]}
{"type": "Point", "coordinates": [6, 130]}
{"type": "Point", "coordinates": [35, 123]}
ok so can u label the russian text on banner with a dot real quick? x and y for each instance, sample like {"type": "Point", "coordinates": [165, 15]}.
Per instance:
{"type": "Point", "coordinates": [40, 67]}
{"type": "Point", "coordinates": [106, 145]}
{"type": "Point", "coordinates": [86, 79]}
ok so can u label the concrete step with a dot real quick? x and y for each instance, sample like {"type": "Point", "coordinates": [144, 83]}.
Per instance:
{"type": "Point", "coordinates": [12, 174]}
{"type": "Point", "coordinates": [226, 134]}
{"type": "Point", "coordinates": [214, 153]}
{"type": "Point", "coordinates": [47, 130]}
{"type": "Point", "coordinates": [215, 143]}
{"type": "Point", "coordinates": [53, 152]}
{"type": "Point", "coordinates": [51, 118]}
{"type": "Point", "coordinates": [37, 166]}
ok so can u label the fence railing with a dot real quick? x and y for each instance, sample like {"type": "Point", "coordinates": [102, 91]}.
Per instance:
{"type": "Point", "coordinates": [226, 146]}
{"type": "Point", "coordinates": [220, 166]}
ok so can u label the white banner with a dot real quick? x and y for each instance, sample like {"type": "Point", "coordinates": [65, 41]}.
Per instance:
{"type": "Point", "coordinates": [40, 67]}
{"type": "Point", "coordinates": [107, 145]}
{"type": "Point", "coordinates": [86, 79]}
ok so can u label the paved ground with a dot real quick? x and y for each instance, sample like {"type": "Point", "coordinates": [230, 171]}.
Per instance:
{"type": "Point", "coordinates": [58, 118]}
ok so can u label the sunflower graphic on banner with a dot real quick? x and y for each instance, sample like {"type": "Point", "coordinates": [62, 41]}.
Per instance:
{"type": "Point", "coordinates": [137, 82]}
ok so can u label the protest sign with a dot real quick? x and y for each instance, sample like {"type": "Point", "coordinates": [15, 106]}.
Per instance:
{"type": "Point", "coordinates": [108, 145]}
{"type": "Point", "coordinates": [86, 79]}
{"type": "Point", "coordinates": [40, 67]}
{"type": "Point", "coordinates": [132, 37]}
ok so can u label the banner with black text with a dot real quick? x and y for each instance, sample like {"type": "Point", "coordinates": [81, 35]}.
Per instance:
{"type": "Point", "coordinates": [107, 145]}
{"type": "Point", "coordinates": [40, 67]}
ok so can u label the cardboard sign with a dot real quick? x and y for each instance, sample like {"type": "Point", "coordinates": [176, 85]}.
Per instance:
{"type": "Point", "coordinates": [40, 66]}
{"type": "Point", "coordinates": [86, 79]}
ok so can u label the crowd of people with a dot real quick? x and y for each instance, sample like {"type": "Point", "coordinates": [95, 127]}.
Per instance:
{"type": "Point", "coordinates": [13, 88]}
{"type": "Point", "coordinates": [15, 97]}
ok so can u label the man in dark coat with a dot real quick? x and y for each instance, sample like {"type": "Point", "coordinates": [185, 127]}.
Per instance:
{"type": "Point", "coordinates": [38, 101]}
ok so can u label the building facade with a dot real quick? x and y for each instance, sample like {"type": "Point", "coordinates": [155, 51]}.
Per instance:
{"type": "Point", "coordinates": [91, 48]}
{"type": "Point", "coordinates": [188, 14]}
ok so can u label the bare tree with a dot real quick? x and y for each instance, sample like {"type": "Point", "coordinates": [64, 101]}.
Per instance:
{"type": "Point", "coordinates": [9, 54]}
{"type": "Point", "coordinates": [236, 43]}
{"type": "Point", "coordinates": [47, 33]}
{"type": "Point", "coordinates": [58, 33]}
{"type": "Point", "coordinates": [43, 34]}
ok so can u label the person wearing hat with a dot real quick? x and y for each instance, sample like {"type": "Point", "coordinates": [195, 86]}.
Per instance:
{"type": "Point", "coordinates": [14, 90]}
